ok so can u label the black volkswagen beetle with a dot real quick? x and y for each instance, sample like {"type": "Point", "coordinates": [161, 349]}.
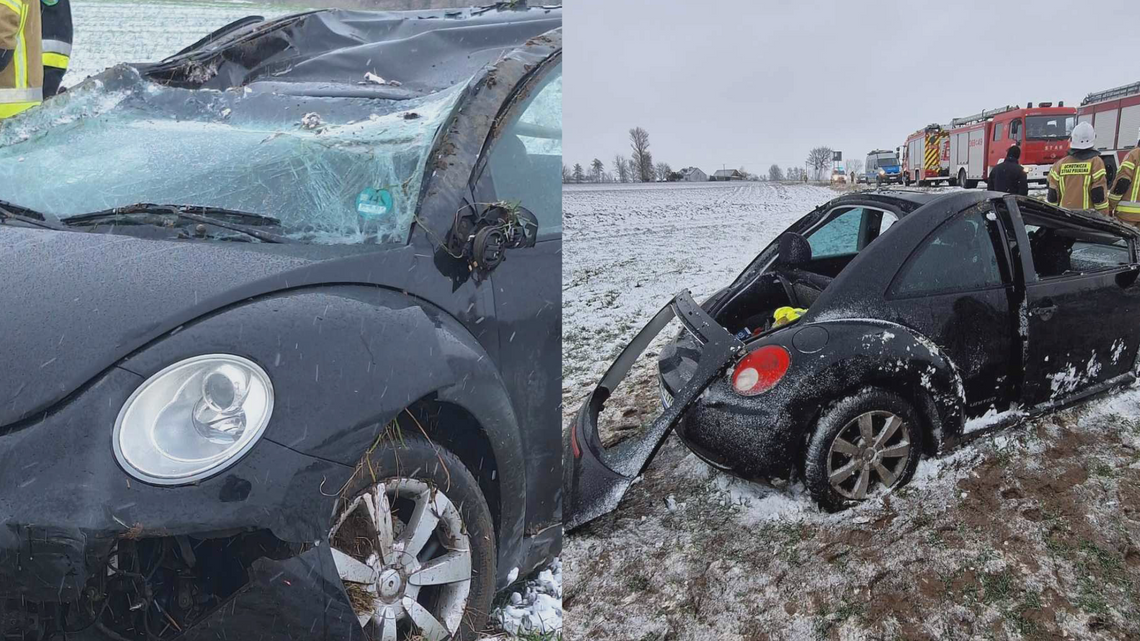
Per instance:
{"type": "Point", "coordinates": [877, 329]}
{"type": "Point", "coordinates": [281, 333]}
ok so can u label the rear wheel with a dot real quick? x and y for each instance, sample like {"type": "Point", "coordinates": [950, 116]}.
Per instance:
{"type": "Point", "coordinates": [864, 446]}
{"type": "Point", "coordinates": [413, 542]}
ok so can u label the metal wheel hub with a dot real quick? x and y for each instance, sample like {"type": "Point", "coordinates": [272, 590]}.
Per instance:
{"type": "Point", "coordinates": [868, 455]}
{"type": "Point", "coordinates": [395, 542]}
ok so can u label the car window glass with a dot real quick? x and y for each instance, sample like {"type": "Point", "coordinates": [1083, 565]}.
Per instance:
{"type": "Point", "coordinates": [525, 163]}
{"type": "Point", "coordinates": [837, 236]}
{"type": "Point", "coordinates": [997, 130]}
{"type": "Point", "coordinates": [1015, 130]}
{"type": "Point", "coordinates": [1060, 249]}
{"type": "Point", "coordinates": [958, 256]}
{"type": "Point", "coordinates": [886, 221]}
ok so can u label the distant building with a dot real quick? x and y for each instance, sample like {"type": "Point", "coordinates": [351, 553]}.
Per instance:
{"type": "Point", "coordinates": [728, 174]}
{"type": "Point", "coordinates": [692, 174]}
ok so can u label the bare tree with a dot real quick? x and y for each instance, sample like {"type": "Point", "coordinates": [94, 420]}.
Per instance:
{"type": "Point", "coordinates": [854, 168]}
{"type": "Point", "coordinates": [642, 159]}
{"type": "Point", "coordinates": [774, 173]}
{"type": "Point", "coordinates": [579, 175]}
{"type": "Point", "coordinates": [621, 170]}
{"type": "Point", "coordinates": [818, 160]}
{"type": "Point", "coordinates": [565, 174]}
{"type": "Point", "coordinates": [662, 170]}
{"type": "Point", "coordinates": [597, 168]}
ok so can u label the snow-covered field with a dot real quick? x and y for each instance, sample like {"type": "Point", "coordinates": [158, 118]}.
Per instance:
{"type": "Point", "coordinates": [1030, 533]}
{"type": "Point", "coordinates": [108, 32]}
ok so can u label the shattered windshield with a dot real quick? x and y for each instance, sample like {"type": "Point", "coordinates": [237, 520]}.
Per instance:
{"type": "Point", "coordinates": [332, 170]}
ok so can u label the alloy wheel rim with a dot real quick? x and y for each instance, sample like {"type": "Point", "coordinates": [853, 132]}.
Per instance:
{"type": "Point", "coordinates": [868, 455]}
{"type": "Point", "coordinates": [404, 557]}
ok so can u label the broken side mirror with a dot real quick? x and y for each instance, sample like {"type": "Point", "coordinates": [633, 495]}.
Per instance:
{"type": "Point", "coordinates": [482, 235]}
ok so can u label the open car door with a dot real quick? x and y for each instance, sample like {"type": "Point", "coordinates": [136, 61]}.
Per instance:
{"type": "Point", "coordinates": [594, 477]}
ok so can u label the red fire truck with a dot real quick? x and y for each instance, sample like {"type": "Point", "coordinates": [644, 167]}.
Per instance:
{"type": "Point", "coordinates": [979, 142]}
{"type": "Point", "coordinates": [925, 156]}
{"type": "Point", "coordinates": [1115, 115]}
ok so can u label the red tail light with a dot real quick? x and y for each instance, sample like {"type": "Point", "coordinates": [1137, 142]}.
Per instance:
{"type": "Point", "coordinates": [760, 370]}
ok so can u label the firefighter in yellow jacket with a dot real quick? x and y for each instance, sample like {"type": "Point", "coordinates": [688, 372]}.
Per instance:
{"type": "Point", "coordinates": [1125, 194]}
{"type": "Point", "coordinates": [1078, 181]}
{"type": "Point", "coordinates": [21, 63]}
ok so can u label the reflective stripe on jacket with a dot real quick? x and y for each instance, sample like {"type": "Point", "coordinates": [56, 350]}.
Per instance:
{"type": "Point", "coordinates": [1125, 195]}
{"type": "Point", "coordinates": [58, 32]}
{"type": "Point", "coordinates": [1076, 179]}
{"type": "Point", "coordinates": [21, 82]}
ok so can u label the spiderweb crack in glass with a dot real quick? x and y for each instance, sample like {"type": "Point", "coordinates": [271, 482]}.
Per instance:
{"type": "Point", "coordinates": [125, 140]}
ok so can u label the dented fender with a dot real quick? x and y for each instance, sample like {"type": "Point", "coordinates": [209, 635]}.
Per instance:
{"type": "Point", "coordinates": [346, 360]}
{"type": "Point", "coordinates": [892, 356]}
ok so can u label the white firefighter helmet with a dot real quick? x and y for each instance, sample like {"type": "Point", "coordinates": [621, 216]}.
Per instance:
{"type": "Point", "coordinates": [1084, 136]}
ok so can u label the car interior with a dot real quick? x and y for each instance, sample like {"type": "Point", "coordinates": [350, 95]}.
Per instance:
{"type": "Point", "coordinates": [803, 266]}
{"type": "Point", "coordinates": [1061, 248]}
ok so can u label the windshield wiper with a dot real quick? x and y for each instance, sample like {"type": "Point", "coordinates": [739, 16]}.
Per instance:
{"type": "Point", "coordinates": [216, 216]}
{"type": "Point", "coordinates": [12, 211]}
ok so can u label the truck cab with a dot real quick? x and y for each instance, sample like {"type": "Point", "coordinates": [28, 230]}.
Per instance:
{"type": "Point", "coordinates": [1042, 132]}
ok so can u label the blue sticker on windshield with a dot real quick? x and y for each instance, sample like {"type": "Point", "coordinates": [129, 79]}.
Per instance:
{"type": "Point", "coordinates": [373, 203]}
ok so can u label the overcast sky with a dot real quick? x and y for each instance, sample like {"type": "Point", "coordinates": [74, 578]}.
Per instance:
{"type": "Point", "coordinates": [746, 82]}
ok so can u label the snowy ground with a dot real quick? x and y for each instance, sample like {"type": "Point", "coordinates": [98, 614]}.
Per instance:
{"type": "Point", "coordinates": [1030, 533]}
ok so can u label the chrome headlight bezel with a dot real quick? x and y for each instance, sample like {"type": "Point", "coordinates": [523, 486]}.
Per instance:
{"type": "Point", "coordinates": [195, 470]}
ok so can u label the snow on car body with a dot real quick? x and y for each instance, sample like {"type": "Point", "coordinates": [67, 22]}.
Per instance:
{"type": "Point", "coordinates": [926, 317]}
{"type": "Point", "coordinates": [288, 404]}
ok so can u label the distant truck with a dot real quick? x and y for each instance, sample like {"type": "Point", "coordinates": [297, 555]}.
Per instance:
{"type": "Point", "coordinates": [882, 167]}
{"type": "Point", "coordinates": [1115, 116]}
{"type": "Point", "coordinates": [979, 142]}
{"type": "Point", "coordinates": [926, 157]}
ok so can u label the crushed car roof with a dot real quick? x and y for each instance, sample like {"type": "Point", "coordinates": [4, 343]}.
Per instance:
{"type": "Point", "coordinates": [407, 54]}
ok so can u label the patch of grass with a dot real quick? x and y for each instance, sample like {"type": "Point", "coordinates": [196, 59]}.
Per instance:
{"type": "Point", "coordinates": [1102, 469]}
{"type": "Point", "coordinates": [541, 636]}
{"type": "Point", "coordinates": [828, 619]}
{"type": "Point", "coordinates": [637, 583]}
{"type": "Point", "coordinates": [1016, 616]}
{"type": "Point", "coordinates": [997, 587]}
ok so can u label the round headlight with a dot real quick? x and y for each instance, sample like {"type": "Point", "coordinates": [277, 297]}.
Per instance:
{"type": "Point", "coordinates": [193, 419]}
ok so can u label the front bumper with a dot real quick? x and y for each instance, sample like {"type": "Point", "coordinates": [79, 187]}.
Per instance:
{"type": "Point", "coordinates": [1037, 173]}
{"type": "Point", "coordinates": [65, 504]}
{"type": "Point", "coordinates": [889, 178]}
{"type": "Point", "coordinates": [749, 438]}
{"type": "Point", "coordinates": [595, 477]}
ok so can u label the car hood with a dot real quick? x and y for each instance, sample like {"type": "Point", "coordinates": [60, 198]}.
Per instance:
{"type": "Point", "coordinates": [77, 303]}
{"type": "Point", "coordinates": [890, 169]}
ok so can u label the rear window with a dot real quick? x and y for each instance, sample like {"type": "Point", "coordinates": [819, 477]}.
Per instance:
{"type": "Point", "coordinates": [848, 230]}
{"type": "Point", "coordinates": [958, 256]}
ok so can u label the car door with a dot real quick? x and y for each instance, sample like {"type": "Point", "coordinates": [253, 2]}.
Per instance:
{"type": "Point", "coordinates": [524, 165]}
{"type": "Point", "coordinates": [956, 289]}
{"type": "Point", "coordinates": [1082, 300]}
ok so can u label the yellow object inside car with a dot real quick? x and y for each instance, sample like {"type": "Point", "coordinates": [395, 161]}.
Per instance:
{"type": "Point", "coordinates": [785, 315]}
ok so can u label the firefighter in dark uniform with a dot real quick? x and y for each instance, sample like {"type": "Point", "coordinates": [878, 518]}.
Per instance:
{"type": "Point", "coordinates": [1078, 181]}
{"type": "Point", "coordinates": [57, 36]}
{"type": "Point", "coordinates": [1009, 175]}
